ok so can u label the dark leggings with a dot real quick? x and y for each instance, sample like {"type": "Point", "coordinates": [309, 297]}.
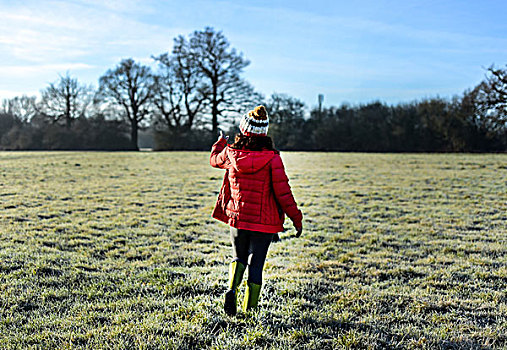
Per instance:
{"type": "Point", "coordinates": [250, 248]}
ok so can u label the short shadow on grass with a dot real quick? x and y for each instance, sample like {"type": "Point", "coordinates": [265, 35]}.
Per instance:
{"type": "Point", "coordinates": [329, 328]}
{"type": "Point", "coordinates": [376, 337]}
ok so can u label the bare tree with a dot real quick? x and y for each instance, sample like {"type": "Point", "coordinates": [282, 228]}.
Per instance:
{"type": "Point", "coordinates": [130, 87]}
{"type": "Point", "coordinates": [181, 93]}
{"type": "Point", "coordinates": [497, 84]}
{"type": "Point", "coordinates": [221, 67]}
{"type": "Point", "coordinates": [65, 100]}
{"type": "Point", "coordinates": [168, 95]}
{"type": "Point", "coordinates": [283, 108]}
{"type": "Point", "coordinates": [491, 101]}
{"type": "Point", "coordinates": [23, 107]}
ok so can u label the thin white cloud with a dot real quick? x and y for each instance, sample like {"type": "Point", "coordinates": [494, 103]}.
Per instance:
{"type": "Point", "coordinates": [118, 6]}
{"type": "Point", "coordinates": [6, 94]}
{"type": "Point", "coordinates": [338, 26]}
{"type": "Point", "coordinates": [71, 31]}
{"type": "Point", "coordinates": [40, 40]}
{"type": "Point", "coordinates": [29, 70]}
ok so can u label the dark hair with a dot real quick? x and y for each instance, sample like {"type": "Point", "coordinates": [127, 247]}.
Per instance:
{"type": "Point", "coordinates": [253, 143]}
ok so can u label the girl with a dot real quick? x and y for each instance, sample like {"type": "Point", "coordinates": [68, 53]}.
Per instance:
{"type": "Point", "coordinates": [254, 196]}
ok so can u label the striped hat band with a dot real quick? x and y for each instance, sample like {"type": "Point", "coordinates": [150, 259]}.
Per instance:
{"type": "Point", "coordinates": [250, 126]}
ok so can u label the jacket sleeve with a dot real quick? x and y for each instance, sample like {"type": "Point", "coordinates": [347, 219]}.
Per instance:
{"type": "Point", "coordinates": [283, 193]}
{"type": "Point", "coordinates": [218, 157]}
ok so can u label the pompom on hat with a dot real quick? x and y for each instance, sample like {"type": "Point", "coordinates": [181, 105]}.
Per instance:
{"type": "Point", "coordinates": [255, 122]}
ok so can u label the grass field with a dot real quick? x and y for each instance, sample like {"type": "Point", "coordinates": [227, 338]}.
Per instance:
{"type": "Point", "coordinates": [118, 251]}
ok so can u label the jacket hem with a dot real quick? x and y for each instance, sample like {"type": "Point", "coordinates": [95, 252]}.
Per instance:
{"type": "Point", "coordinates": [249, 226]}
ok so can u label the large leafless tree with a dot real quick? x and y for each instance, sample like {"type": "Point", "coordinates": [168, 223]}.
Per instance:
{"type": "Point", "coordinates": [497, 84]}
{"type": "Point", "coordinates": [180, 92]}
{"type": "Point", "coordinates": [490, 98]}
{"type": "Point", "coordinates": [202, 78]}
{"type": "Point", "coordinates": [220, 66]}
{"type": "Point", "coordinates": [130, 87]}
{"type": "Point", "coordinates": [65, 100]}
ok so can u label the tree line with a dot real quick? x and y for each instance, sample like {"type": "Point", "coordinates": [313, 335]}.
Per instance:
{"type": "Point", "coordinates": [198, 88]}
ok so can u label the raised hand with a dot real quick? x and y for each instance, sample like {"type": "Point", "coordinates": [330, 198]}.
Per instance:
{"type": "Point", "coordinates": [222, 136]}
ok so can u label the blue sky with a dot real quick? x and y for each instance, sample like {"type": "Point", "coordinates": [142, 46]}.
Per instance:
{"type": "Point", "coordinates": [355, 52]}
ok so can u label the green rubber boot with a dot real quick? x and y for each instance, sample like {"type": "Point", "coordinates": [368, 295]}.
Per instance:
{"type": "Point", "coordinates": [236, 270]}
{"type": "Point", "coordinates": [251, 296]}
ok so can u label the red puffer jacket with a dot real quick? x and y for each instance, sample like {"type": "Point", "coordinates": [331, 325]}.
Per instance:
{"type": "Point", "coordinates": [255, 193]}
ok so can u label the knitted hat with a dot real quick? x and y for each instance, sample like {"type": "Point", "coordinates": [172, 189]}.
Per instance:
{"type": "Point", "coordinates": [255, 122]}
